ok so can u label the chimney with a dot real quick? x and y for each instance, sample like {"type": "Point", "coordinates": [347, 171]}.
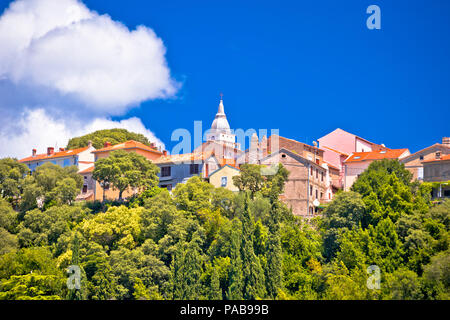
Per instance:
{"type": "Point", "coordinates": [61, 149]}
{"type": "Point", "coordinates": [446, 141]}
{"type": "Point", "coordinates": [89, 143]}
{"type": "Point", "coordinates": [50, 151]}
{"type": "Point", "coordinates": [33, 152]}
{"type": "Point", "coordinates": [107, 144]}
{"type": "Point", "coordinates": [165, 153]}
{"type": "Point", "coordinates": [152, 145]}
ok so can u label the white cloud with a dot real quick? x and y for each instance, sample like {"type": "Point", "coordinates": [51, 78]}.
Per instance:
{"type": "Point", "coordinates": [64, 69]}
{"type": "Point", "coordinates": [38, 130]}
{"type": "Point", "coordinates": [63, 46]}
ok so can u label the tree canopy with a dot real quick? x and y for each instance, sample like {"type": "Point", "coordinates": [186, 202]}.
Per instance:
{"type": "Point", "coordinates": [98, 138]}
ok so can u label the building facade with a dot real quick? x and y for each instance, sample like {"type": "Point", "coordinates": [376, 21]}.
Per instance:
{"type": "Point", "coordinates": [179, 168]}
{"type": "Point", "coordinates": [414, 162]}
{"type": "Point", "coordinates": [223, 177]}
{"type": "Point", "coordinates": [109, 192]}
{"type": "Point", "coordinates": [307, 184]}
{"type": "Point", "coordinates": [358, 162]}
{"type": "Point", "coordinates": [438, 171]}
{"type": "Point", "coordinates": [339, 144]}
{"type": "Point", "coordinates": [82, 158]}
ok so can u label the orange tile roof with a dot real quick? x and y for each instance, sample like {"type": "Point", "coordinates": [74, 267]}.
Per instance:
{"type": "Point", "coordinates": [376, 155]}
{"type": "Point", "coordinates": [185, 157]}
{"type": "Point", "coordinates": [88, 170]}
{"type": "Point", "coordinates": [55, 155]}
{"type": "Point", "coordinates": [443, 158]}
{"type": "Point", "coordinates": [131, 144]}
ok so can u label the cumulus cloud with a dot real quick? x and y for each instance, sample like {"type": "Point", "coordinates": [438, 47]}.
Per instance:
{"type": "Point", "coordinates": [38, 130]}
{"type": "Point", "coordinates": [59, 60]}
{"type": "Point", "coordinates": [64, 46]}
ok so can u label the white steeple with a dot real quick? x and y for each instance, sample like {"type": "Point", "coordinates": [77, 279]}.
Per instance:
{"type": "Point", "coordinates": [220, 131]}
{"type": "Point", "coordinates": [220, 123]}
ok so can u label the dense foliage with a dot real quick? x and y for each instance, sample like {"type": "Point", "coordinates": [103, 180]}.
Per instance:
{"type": "Point", "coordinates": [114, 136]}
{"type": "Point", "coordinates": [202, 242]}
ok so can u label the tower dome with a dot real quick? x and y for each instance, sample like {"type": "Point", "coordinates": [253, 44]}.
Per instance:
{"type": "Point", "coordinates": [220, 123]}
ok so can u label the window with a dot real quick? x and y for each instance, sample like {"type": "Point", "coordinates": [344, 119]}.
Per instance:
{"type": "Point", "coordinates": [321, 195]}
{"type": "Point", "coordinates": [317, 173]}
{"type": "Point", "coordinates": [224, 182]}
{"type": "Point", "coordinates": [85, 188]}
{"type": "Point", "coordinates": [165, 171]}
{"type": "Point", "coordinates": [421, 157]}
{"type": "Point", "coordinates": [438, 155]}
{"type": "Point", "coordinates": [317, 161]}
{"type": "Point", "coordinates": [317, 193]}
{"type": "Point", "coordinates": [321, 176]}
{"type": "Point", "coordinates": [420, 173]}
{"type": "Point", "coordinates": [310, 190]}
{"type": "Point", "coordinates": [311, 171]}
{"type": "Point", "coordinates": [194, 168]}
{"type": "Point", "coordinates": [283, 155]}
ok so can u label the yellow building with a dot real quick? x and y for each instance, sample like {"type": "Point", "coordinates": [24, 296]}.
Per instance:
{"type": "Point", "coordinates": [223, 177]}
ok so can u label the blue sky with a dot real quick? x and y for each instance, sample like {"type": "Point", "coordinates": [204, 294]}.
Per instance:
{"type": "Point", "coordinates": [304, 67]}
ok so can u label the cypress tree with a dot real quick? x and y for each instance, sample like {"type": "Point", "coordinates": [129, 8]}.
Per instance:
{"type": "Point", "coordinates": [236, 278]}
{"type": "Point", "coordinates": [253, 274]}
{"type": "Point", "coordinates": [216, 291]}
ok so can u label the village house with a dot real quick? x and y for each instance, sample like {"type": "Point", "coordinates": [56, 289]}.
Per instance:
{"type": "Point", "coordinates": [150, 152]}
{"type": "Point", "coordinates": [438, 171]}
{"type": "Point", "coordinates": [180, 167]}
{"type": "Point", "coordinates": [355, 164]}
{"type": "Point", "coordinates": [82, 158]}
{"type": "Point", "coordinates": [223, 177]}
{"type": "Point", "coordinates": [414, 162]}
{"type": "Point", "coordinates": [310, 180]}
{"type": "Point", "coordinates": [307, 185]}
{"type": "Point", "coordinates": [338, 145]}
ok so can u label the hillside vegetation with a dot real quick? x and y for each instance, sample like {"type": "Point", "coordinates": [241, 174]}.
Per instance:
{"type": "Point", "coordinates": [202, 242]}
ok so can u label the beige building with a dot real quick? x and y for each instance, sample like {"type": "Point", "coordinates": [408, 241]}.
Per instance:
{"type": "Point", "coordinates": [414, 162]}
{"type": "Point", "coordinates": [438, 170]}
{"type": "Point", "coordinates": [223, 177]}
{"type": "Point", "coordinates": [109, 192]}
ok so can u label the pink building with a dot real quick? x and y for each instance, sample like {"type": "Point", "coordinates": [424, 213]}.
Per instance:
{"type": "Point", "coordinates": [338, 145]}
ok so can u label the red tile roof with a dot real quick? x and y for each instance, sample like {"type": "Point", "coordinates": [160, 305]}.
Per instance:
{"type": "Point", "coordinates": [88, 170]}
{"type": "Point", "coordinates": [55, 155]}
{"type": "Point", "coordinates": [186, 157]}
{"type": "Point", "coordinates": [131, 144]}
{"type": "Point", "coordinates": [376, 155]}
{"type": "Point", "coordinates": [443, 158]}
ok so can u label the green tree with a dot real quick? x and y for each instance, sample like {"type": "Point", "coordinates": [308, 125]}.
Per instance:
{"type": "Point", "coordinates": [99, 137]}
{"type": "Point", "coordinates": [124, 170]}
{"type": "Point", "coordinates": [12, 173]}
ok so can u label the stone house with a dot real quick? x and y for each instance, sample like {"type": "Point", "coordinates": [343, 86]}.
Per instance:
{"type": "Point", "coordinates": [307, 185]}
{"type": "Point", "coordinates": [438, 171]}
{"type": "Point", "coordinates": [414, 162]}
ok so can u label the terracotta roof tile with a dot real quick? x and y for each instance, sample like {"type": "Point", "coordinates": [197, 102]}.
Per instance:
{"type": "Point", "coordinates": [185, 157]}
{"type": "Point", "coordinates": [443, 158]}
{"type": "Point", "coordinates": [376, 155]}
{"type": "Point", "coordinates": [88, 170]}
{"type": "Point", "coordinates": [131, 144]}
{"type": "Point", "coordinates": [55, 155]}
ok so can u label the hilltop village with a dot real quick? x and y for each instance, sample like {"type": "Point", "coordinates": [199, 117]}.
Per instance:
{"type": "Point", "coordinates": [316, 172]}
